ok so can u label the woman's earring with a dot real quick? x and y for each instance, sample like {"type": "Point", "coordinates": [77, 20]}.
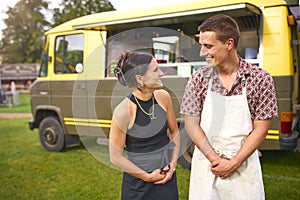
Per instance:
{"type": "Point", "coordinates": [141, 85]}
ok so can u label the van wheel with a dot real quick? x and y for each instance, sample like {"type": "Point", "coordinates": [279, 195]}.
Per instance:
{"type": "Point", "coordinates": [186, 150]}
{"type": "Point", "coordinates": [51, 135]}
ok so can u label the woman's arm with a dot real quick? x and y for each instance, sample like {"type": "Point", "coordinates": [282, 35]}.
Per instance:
{"type": "Point", "coordinates": [173, 130]}
{"type": "Point", "coordinates": [165, 101]}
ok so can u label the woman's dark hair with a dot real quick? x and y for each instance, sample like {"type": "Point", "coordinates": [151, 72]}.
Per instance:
{"type": "Point", "coordinates": [224, 26]}
{"type": "Point", "coordinates": [131, 64]}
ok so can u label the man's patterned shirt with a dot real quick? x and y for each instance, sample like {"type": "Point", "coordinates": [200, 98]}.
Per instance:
{"type": "Point", "coordinates": [259, 84]}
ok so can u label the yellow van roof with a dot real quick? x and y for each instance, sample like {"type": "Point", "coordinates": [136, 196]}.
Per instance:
{"type": "Point", "coordinates": [106, 18]}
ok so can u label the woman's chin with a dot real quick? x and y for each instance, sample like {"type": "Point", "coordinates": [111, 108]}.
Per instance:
{"type": "Point", "coordinates": [154, 85]}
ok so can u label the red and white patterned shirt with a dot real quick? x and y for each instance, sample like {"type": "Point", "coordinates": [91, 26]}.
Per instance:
{"type": "Point", "coordinates": [260, 89]}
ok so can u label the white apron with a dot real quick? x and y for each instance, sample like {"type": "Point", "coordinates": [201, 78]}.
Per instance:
{"type": "Point", "coordinates": [226, 120]}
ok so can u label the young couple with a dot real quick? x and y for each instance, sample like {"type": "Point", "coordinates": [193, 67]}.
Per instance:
{"type": "Point", "coordinates": [225, 162]}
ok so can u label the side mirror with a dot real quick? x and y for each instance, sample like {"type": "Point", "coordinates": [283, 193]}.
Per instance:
{"type": "Point", "coordinates": [79, 67]}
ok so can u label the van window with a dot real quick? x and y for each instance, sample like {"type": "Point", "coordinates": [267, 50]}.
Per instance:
{"type": "Point", "coordinates": [44, 60]}
{"type": "Point", "coordinates": [170, 46]}
{"type": "Point", "coordinates": [44, 65]}
{"type": "Point", "coordinates": [176, 45]}
{"type": "Point", "coordinates": [68, 53]}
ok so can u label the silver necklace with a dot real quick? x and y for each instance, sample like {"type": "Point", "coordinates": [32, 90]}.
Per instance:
{"type": "Point", "coordinates": [151, 115]}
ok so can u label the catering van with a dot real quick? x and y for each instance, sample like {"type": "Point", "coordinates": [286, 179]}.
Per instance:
{"type": "Point", "coordinates": [76, 91]}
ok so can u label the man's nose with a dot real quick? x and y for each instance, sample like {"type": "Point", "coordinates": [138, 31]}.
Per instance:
{"type": "Point", "coordinates": [203, 51]}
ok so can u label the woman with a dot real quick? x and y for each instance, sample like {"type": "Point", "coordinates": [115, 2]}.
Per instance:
{"type": "Point", "coordinates": [140, 123]}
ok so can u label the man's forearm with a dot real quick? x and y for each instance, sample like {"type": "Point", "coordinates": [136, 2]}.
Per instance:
{"type": "Point", "coordinates": [253, 141]}
{"type": "Point", "coordinates": [199, 138]}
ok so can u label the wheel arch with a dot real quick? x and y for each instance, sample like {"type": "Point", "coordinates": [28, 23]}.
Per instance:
{"type": "Point", "coordinates": [44, 111]}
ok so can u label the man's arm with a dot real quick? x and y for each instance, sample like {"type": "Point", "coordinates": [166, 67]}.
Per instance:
{"type": "Point", "coordinates": [195, 132]}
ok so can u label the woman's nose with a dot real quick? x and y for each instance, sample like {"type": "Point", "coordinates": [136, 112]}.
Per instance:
{"type": "Point", "coordinates": [161, 73]}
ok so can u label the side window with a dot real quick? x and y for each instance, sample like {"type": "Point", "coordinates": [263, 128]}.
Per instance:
{"type": "Point", "coordinates": [44, 61]}
{"type": "Point", "coordinates": [69, 54]}
{"type": "Point", "coordinates": [44, 65]}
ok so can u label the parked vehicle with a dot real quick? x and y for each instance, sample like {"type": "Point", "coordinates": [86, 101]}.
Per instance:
{"type": "Point", "coordinates": [76, 91]}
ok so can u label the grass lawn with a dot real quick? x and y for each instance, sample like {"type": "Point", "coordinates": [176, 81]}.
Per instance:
{"type": "Point", "coordinates": [23, 107]}
{"type": "Point", "coordinates": [281, 174]}
{"type": "Point", "coordinates": [30, 172]}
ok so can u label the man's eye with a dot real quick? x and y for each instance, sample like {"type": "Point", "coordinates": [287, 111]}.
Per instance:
{"type": "Point", "coordinates": [208, 46]}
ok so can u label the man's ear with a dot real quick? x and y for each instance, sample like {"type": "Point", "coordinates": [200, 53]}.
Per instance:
{"type": "Point", "coordinates": [230, 44]}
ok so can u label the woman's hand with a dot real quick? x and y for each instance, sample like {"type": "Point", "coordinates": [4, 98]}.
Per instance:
{"type": "Point", "coordinates": [168, 174]}
{"type": "Point", "coordinates": [155, 176]}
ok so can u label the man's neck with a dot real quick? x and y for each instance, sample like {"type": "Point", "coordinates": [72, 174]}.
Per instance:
{"type": "Point", "coordinates": [228, 72]}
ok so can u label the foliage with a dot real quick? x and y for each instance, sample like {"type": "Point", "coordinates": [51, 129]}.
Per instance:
{"type": "Point", "coordinates": [76, 8]}
{"type": "Point", "coordinates": [26, 23]}
{"type": "Point", "coordinates": [22, 39]}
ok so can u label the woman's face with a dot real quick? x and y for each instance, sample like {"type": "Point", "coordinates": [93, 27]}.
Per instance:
{"type": "Point", "coordinates": [152, 78]}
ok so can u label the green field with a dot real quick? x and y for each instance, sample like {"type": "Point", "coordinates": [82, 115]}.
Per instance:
{"type": "Point", "coordinates": [22, 107]}
{"type": "Point", "coordinates": [30, 172]}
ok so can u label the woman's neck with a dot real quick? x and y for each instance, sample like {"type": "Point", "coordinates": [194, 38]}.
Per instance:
{"type": "Point", "coordinates": [142, 95]}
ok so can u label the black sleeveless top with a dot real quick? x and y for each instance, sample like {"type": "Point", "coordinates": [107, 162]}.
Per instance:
{"type": "Point", "coordinates": [147, 142]}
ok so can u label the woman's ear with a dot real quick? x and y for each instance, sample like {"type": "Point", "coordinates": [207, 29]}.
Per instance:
{"type": "Point", "coordinates": [139, 80]}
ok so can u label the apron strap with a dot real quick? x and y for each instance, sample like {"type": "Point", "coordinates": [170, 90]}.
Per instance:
{"type": "Point", "coordinates": [244, 88]}
{"type": "Point", "coordinates": [210, 84]}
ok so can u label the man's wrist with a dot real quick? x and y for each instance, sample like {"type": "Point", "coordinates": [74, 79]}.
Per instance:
{"type": "Point", "coordinates": [236, 162]}
{"type": "Point", "coordinates": [212, 155]}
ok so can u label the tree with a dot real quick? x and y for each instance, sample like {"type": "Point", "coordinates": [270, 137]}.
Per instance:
{"type": "Point", "coordinates": [22, 39]}
{"type": "Point", "coordinates": [76, 8]}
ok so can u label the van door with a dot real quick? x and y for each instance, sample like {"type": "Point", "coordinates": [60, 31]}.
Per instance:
{"type": "Point", "coordinates": [68, 83]}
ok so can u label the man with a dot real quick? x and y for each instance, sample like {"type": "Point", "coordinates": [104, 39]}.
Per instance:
{"type": "Point", "coordinates": [228, 107]}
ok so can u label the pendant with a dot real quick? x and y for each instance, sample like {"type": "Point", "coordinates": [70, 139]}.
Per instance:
{"type": "Point", "coordinates": [153, 117]}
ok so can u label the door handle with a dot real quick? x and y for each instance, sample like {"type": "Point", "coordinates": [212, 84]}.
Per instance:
{"type": "Point", "coordinates": [80, 87]}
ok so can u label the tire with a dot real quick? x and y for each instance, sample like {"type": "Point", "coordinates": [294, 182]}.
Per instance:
{"type": "Point", "coordinates": [289, 142]}
{"type": "Point", "coordinates": [186, 150]}
{"type": "Point", "coordinates": [51, 135]}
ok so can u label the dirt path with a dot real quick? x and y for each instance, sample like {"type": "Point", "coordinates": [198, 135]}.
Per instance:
{"type": "Point", "coordinates": [15, 115]}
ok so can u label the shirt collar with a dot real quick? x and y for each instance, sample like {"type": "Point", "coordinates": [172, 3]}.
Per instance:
{"type": "Point", "coordinates": [244, 68]}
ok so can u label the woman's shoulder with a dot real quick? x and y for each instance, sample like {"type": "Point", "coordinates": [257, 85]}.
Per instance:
{"type": "Point", "coordinates": [161, 93]}
{"type": "Point", "coordinates": [123, 114]}
{"type": "Point", "coordinates": [163, 98]}
{"type": "Point", "coordinates": [123, 108]}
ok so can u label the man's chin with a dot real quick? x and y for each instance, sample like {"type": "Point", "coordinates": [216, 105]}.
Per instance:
{"type": "Point", "coordinates": [211, 64]}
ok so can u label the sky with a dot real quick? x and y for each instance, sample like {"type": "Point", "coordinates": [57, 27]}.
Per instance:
{"type": "Point", "coordinates": [118, 4]}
